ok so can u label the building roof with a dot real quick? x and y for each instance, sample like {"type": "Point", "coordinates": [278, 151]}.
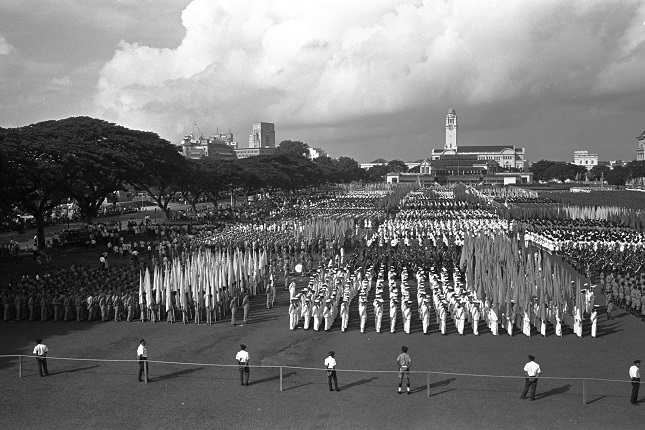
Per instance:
{"type": "Point", "coordinates": [471, 157]}
{"type": "Point", "coordinates": [642, 136]}
{"type": "Point", "coordinates": [452, 111]}
{"type": "Point", "coordinates": [483, 148]}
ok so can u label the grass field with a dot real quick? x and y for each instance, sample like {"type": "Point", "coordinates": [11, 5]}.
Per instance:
{"type": "Point", "coordinates": [106, 395]}
{"type": "Point", "coordinates": [92, 394]}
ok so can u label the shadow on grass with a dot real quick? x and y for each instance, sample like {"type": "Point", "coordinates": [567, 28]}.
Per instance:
{"type": "Point", "coordinates": [271, 378]}
{"type": "Point", "coordinates": [298, 386]}
{"type": "Point", "coordinates": [605, 329]}
{"type": "Point", "coordinates": [174, 374]}
{"type": "Point", "coordinates": [442, 383]}
{"type": "Point", "coordinates": [442, 392]}
{"type": "Point", "coordinates": [78, 369]}
{"type": "Point", "coordinates": [553, 392]}
{"type": "Point", "coordinates": [356, 383]}
{"type": "Point", "coordinates": [596, 399]}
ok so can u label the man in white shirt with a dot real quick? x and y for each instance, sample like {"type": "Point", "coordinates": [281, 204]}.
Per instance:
{"type": "Point", "coordinates": [41, 351]}
{"type": "Point", "coordinates": [635, 376]}
{"type": "Point", "coordinates": [330, 364]}
{"type": "Point", "coordinates": [142, 355]}
{"type": "Point", "coordinates": [243, 359]}
{"type": "Point", "coordinates": [532, 372]}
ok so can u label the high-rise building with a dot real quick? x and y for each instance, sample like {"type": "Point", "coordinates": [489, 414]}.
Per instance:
{"type": "Point", "coordinates": [263, 135]}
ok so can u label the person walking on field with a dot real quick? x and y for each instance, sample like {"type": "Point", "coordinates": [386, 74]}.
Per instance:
{"type": "Point", "coordinates": [330, 364]}
{"type": "Point", "coordinates": [635, 376]}
{"type": "Point", "coordinates": [532, 371]}
{"type": "Point", "coordinates": [243, 359]}
{"type": "Point", "coordinates": [404, 361]}
{"type": "Point", "coordinates": [41, 351]}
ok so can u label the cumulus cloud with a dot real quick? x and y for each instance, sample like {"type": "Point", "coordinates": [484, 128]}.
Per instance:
{"type": "Point", "coordinates": [5, 47]}
{"type": "Point", "coordinates": [333, 62]}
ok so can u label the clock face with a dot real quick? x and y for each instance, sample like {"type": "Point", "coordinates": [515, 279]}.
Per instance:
{"type": "Point", "coordinates": [450, 127]}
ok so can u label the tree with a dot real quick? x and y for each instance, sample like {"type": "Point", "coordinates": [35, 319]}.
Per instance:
{"type": "Point", "coordinates": [293, 147]}
{"type": "Point", "coordinates": [539, 169]}
{"type": "Point", "coordinates": [193, 185]}
{"type": "Point", "coordinates": [377, 173]}
{"type": "Point", "coordinates": [564, 171]}
{"type": "Point", "coordinates": [33, 174]}
{"type": "Point", "coordinates": [103, 156]}
{"type": "Point", "coordinates": [397, 166]}
{"type": "Point", "coordinates": [636, 169]}
{"type": "Point", "coordinates": [160, 169]}
{"type": "Point", "coordinates": [350, 169]}
{"type": "Point", "coordinates": [93, 158]}
{"type": "Point", "coordinates": [597, 172]}
{"type": "Point", "coordinates": [617, 176]}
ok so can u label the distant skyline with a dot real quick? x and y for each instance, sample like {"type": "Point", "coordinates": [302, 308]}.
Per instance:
{"type": "Point", "coordinates": [363, 78]}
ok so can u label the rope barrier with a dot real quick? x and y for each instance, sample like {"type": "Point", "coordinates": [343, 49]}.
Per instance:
{"type": "Point", "coordinates": [431, 372]}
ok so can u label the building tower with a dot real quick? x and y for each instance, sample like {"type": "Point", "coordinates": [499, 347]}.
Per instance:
{"type": "Point", "coordinates": [263, 135]}
{"type": "Point", "coordinates": [451, 130]}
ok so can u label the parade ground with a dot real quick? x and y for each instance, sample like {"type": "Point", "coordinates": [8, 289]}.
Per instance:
{"type": "Point", "coordinates": [203, 394]}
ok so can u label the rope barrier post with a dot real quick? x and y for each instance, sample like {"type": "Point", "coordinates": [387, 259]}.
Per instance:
{"type": "Point", "coordinates": [584, 391]}
{"type": "Point", "coordinates": [145, 370]}
{"type": "Point", "coordinates": [281, 378]}
{"type": "Point", "coordinates": [20, 366]}
{"type": "Point", "coordinates": [428, 385]}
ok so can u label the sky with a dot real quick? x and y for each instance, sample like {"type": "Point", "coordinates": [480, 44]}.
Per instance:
{"type": "Point", "coordinates": [362, 78]}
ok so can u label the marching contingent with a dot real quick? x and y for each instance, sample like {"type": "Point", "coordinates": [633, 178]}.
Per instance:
{"type": "Point", "coordinates": [391, 257]}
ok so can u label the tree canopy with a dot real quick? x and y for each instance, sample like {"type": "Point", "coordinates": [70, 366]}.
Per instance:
{"type": "Point", "coordinates": [293, 147]}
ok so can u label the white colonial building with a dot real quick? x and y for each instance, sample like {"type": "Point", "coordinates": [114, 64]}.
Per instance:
{"type": "Point", "coordinates": [507, 156]}
{"type": "Point", "coordinates": [585, 159]}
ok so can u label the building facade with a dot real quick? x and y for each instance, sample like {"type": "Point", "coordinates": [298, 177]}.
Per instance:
{"type": "Point", "coordinates": [507, 156]}
{"type": "Point", "coordinates": [210, 147]}
{"type": "Point", "coordinates": [316, 152]}
{"type": "Point", "coordinates": [254, 152]}
{"type": "Point", "coordinates": [585, 159]}
{"type": "Point", "coordinates": [263, 135]}
{"type": "Point", "coordinates": [640, 152]}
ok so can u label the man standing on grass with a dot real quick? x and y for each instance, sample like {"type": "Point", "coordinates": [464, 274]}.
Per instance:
{"type": "Point", "coordinates": [243, 359]}
{"type": "Point", "coordinates": [532, 372]}
{"type": "Point", "coordinates": [330, 364]}
{"type": "Point", "coordinates": [41, 351]}
{"type": "Point", "coordinates": [142, 354]}
{"type": "Point", "coordinates": [404, 361]}
{"type": "Point", "coordinates": [635, 376]}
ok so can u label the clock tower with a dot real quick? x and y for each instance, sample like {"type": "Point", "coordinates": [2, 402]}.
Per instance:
{"type": "Point", "coordinates": [451, 130]}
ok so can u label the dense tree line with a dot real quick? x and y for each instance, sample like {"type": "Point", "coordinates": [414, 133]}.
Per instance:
{"type": "Point", "coordinates": [545, 170]}
{"type": "Point", "coordinates": [85, 159]}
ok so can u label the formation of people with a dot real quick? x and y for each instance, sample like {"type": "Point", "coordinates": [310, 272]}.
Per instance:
{"type": "Point", "coordinates": [362, 249]}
